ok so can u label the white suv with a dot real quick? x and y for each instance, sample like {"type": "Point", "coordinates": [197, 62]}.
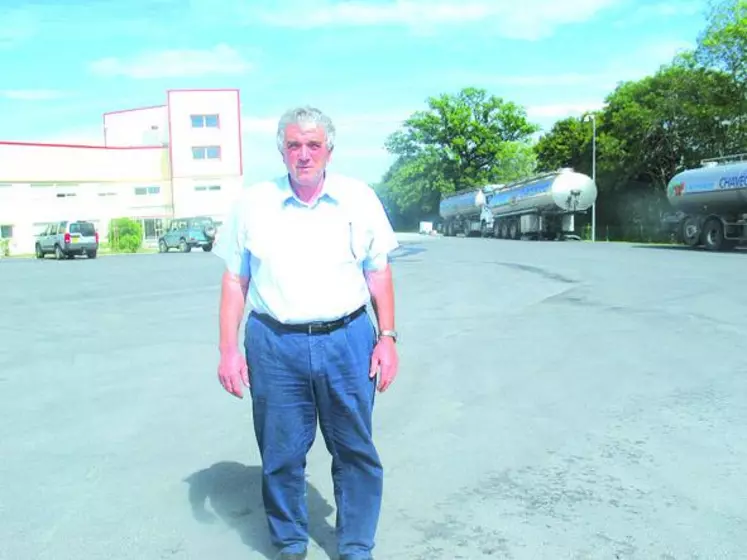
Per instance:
{"type": "Point", "coordinates": [67, 239]}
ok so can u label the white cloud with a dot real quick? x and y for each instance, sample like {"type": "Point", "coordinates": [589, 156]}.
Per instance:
{"type": "Point", "coordinates": [634, 65]}
{"type": "Point", "coordinates": [220, 60]}
{"type": "Point", "coordinates": [32, 94]}
{"type": "Point", "coordinates": [530, 19]}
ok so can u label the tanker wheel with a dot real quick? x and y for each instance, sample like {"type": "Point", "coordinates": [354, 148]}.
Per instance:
{"type": "Point", "coordinates": [713, 234]}
{"type": "Point", "coordinates": [514, 231]}
{"type": "Point", "coordinates": [691, 232]}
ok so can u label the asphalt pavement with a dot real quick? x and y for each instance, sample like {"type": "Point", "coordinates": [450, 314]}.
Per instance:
{"type": "Point", "coordinates": [555, 400]}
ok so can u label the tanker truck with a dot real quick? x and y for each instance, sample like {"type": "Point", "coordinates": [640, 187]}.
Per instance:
{"type": "Point", "coordinates": [710, 204]}
{"type": "Point", "coordinates": [462, 211]}
{"type": "Point", "coordinates": [544, 206]}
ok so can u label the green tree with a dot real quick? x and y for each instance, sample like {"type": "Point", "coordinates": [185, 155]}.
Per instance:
{"type": "Point", "coordinates": [666, 122]}
{"type": "Point", "coordinates": [649, 130]}
{"type": "Point", "coordinates": [466, 131]}
{"type": "Point", "coordinates": [723, 43]}
{"type": "Point", "coordinates": [461, 141]}
{"type": "Point", "coordinates": [567, 144]}
{"type": "Point", "coordinates": [125, 235]}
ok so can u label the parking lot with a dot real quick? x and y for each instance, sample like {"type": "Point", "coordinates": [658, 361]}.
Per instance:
{"type": "Point", "coordinates": [555, 400]}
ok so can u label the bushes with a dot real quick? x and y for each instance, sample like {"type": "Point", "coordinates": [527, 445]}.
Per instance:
{"type": "Point", "coordinates": [125, 235]}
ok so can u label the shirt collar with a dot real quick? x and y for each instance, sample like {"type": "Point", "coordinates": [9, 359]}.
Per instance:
{"type": "Point", "coordinates": [329, 190]}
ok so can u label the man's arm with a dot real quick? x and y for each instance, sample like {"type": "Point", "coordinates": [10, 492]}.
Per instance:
{"type": "Point", "coordinates": [231, 248]}
{"type": "Point", "coordinates": [376, 265]}
{"type": "Point", "coordinates": [381, 241]}
{"type": "Point", "coordinates": [381, 287]}
{"type": "Point", "coordinates": [234, 288]}
{"type": "Point", "coordinates": [384, 360]}
{"type": "Point", "coordinates": [232, 367]}
{"type": "Point", "coordinates": [236, 275]}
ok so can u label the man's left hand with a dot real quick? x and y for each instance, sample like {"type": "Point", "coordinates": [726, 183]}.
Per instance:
{"type": "Point", "coordinates": [384, 361]}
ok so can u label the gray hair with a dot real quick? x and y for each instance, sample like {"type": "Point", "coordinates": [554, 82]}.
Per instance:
{"type": "Point", "coordinates": [306, 115]}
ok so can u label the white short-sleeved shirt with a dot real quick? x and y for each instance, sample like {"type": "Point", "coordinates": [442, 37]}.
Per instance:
{"type": "Point", "coordinates": [307, 261]}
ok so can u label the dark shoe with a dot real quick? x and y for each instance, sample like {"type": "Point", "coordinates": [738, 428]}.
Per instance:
{"type": "Point", "coordinates": [291, 555]}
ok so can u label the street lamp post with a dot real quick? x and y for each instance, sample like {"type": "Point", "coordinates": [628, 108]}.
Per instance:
{"type": "Point", "coordinates": [593, 118]}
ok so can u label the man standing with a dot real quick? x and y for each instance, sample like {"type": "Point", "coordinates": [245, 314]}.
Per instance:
{"type": "Point", "coordinates": [308, 251]}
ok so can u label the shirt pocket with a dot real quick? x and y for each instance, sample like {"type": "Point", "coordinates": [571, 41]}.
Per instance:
{"type": "Point", "coordinates": [361, 239]}
{"type": "Point", "coordinates": [334, 241]}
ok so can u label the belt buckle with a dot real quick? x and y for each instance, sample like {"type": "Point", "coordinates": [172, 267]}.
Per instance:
{"type": "Point", "coordinates": [316, 326]}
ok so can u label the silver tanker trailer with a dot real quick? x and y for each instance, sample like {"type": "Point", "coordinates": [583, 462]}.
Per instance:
{"type": "Point", "coordinates": [541, 207]}
{"type": "Point", "coordinates": [461, 212]}
{"type": "Point", "coordinates": [710, 203]}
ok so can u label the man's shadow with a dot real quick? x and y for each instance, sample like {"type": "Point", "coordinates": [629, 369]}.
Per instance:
{"type": "Point", "coordinates": [234, 493]}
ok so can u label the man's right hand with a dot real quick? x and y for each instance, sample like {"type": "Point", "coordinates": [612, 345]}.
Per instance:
{"type": "Point", "coordinates": [233, 371]}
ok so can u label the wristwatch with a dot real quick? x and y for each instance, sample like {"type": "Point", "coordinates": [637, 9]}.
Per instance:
{"type": "Point", "coordinates": [391, 334]}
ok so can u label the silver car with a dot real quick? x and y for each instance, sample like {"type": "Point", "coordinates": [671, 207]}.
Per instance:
{"type": "Point", "coordinates": [67, 239]}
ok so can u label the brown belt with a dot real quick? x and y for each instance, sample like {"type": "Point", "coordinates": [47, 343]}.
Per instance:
{"type": "Point", "coordinates": [316, 327]}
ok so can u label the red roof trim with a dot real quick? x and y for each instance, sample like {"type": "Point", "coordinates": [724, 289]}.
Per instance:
{"type": "Point", "coordinates": [81, 146]}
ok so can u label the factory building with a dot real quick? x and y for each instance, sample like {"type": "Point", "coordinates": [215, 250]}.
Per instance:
{"type": "Point", "coordinates": [175, 160]}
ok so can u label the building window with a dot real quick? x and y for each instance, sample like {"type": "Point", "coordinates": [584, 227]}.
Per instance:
{"type": "Point", "coordinates": [142, 191]}
{"type": "Point", "coordinates": [202, 188]}
{"type": "Point", "coordinates": [152, 228]}
{"type": "Point", "coordinates": [206, 152]}
{"type": "Point", "coordinates": [6, 232]}
{"type": "Point", "coordinates": [205, 121]}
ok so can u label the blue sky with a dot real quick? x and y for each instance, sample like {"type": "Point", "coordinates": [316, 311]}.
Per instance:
{"type": "Point", "coordinates": [368, 63]}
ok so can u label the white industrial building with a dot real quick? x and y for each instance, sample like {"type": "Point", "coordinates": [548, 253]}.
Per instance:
{"type": "Point", "coordinates": [175, 160]}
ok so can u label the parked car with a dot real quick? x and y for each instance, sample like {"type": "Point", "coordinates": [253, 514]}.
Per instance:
{"type": "Point", "coordinates": [67, 239]}
{"type": "Point", "coordinates": [186, 233]}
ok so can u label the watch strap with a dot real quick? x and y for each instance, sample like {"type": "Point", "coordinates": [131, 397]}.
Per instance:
{"type": "Point", "coordinates": [389, 333]}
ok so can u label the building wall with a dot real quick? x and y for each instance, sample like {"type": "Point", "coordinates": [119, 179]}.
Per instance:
{"type": "Point", "coordinates": [147, 126]}
{"type": "Point", "coordinates": [23, 162]}
{"type": "Point", "coordinates": [210, 196]}
{"type": "Point", "coordinates": [205, 133]}
{"type": "Point", "coordinates": [25, 208]}
{"type": "Point", "coordinates": [128, 176]}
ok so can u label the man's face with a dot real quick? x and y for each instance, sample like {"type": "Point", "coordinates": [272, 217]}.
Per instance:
{"type": "Point", "coordinates": [305, 153]}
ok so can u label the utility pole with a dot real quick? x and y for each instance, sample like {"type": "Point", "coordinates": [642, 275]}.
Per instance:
{"type": "Point", "coordinates": [593, 118]}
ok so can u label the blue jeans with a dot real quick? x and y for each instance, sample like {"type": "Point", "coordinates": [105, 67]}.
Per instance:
{"type": "Point", "coordinates": [296, 378]}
